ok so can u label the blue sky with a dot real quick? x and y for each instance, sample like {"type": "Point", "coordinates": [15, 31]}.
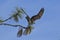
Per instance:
{"type": "Point", "coordinates": [46, 28]}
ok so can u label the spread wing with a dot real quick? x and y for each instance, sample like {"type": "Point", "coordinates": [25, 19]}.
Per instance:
{"type": "Point", "coordinates": [38, 16]}
{"type": "Point", "coordinates": [35, 17]}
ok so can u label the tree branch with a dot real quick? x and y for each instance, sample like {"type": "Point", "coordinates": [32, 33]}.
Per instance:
{"type": "Point", "coordinates": [8, 19]}
{"type": "Point", "coordinates": [13, 25]}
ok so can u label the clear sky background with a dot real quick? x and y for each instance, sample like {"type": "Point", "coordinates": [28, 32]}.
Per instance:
{"type": "Point", "coordinates": [46, 28]}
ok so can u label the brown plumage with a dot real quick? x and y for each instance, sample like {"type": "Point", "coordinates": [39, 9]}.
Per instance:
{"type": "Point", "coordinates": [35, 17]}
{"type": "Point", "coordinates": [38, 16]}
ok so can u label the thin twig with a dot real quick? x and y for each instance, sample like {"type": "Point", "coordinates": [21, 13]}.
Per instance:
{"type": "Point", "coordinates": [12, 16]}
{"type": "Point", "coordinates": [7, 19]}
{"type": "Point", "coordinates": [26, 14]}
{"type": "Point", "coordinates": [12, 25]}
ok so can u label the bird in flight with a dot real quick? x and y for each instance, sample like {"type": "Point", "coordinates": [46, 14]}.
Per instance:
{"type": "Point", "coordinates": [30, 22]}
{"type": "Point", "coordinates": [35, 17]}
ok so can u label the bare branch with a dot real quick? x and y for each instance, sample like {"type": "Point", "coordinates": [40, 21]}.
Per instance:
{"type": "Point", "coordinates": [13, 25]}
{"type": "Point", "coordinates": [8, 19]}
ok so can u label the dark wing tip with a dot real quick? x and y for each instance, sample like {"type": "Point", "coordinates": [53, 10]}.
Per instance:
{"type": "Point", "coordinates": [42, 9]}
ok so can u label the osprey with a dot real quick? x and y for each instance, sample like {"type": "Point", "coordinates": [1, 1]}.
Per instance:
{"type": "Point", "coordinates": [35, 17]}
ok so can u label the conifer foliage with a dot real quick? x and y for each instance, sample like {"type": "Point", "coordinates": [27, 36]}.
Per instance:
{"type": "Point", "coordinates": [18, 15]}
